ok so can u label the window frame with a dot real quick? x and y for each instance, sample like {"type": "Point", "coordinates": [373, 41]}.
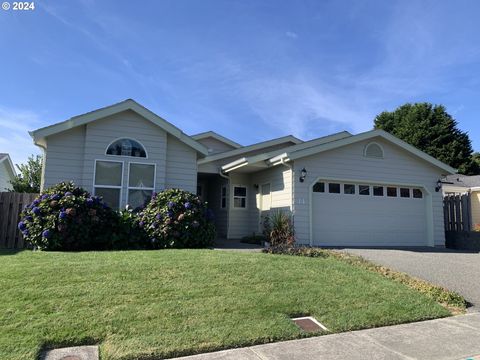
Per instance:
{"type": "Point", "coordinates": [118, 187]}
{"type": "Point", "coordinates": [233, 197]}
{"type": "Point", "coordinates": [136, 187]}
{"type": "Point", "coordinates": [223, 197]}
{"type": "Point", "coordinates": [405, 188]}
{"type": "Point", "coordinates": [378, 187]}
{"type": "Point", "coordinates": [373, 157]}
{"type": "Point", "coordinates": [127, 156]}
{"type": "Point", "coordinates": [321, 183]}
{"type": "Point", "coordinates": [370, 187]}
{"type": "Point", "coordinates": [417, 197]}
{"type": "Point", "coordinates": [349, 184]}
{"type": "Point", "coordinates": [335, 184]}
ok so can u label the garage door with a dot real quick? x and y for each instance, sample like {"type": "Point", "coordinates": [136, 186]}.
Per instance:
{"type": "Point", "coordinates": [363, 214]}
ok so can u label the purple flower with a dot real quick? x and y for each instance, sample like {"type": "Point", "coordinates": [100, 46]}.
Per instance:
{"type": "Point", "coordinates": [56, 197]}
{"type": "Point", "coordinates": [29, 218]}
{"type": "Point", "coordinates": [36, 210]}
{"type": "Point", "coordinates": [141, 224]}
{"type": "Point", "coordinates": [187, 205]}
{"type": "Point", "coordinates": [105, 206]}
{"type": "Point", "coordinates": [158, 217]}
{"type": "Point", "coordinates": [25, 232]}
{"type": "Point", "coordinates": [62, 215]}
{"type": "Point", "coordinates": [171, 204]}
{"type": "Point", "coordinates": [154, 195]}
{"type": "Point", "coordinates": [154, 225]}
{"type": "Point", "coordinates": [170, 213]}
{"type": "Point", "coordinates": [68, 193]}
{"type": "Point", "coordinates": [35, 202]}
{"type": "Point", "coordinates": [46, 234]}
{"type": "Point", "coordinates": [44, 196]}
{"type": "Point", "coordinates": [22, 226]}
{"type": "Point", "coordinates": [90, 202]}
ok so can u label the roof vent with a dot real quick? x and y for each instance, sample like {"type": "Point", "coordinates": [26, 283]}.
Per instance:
{"type": "Point", "coordinates": [374, 150]}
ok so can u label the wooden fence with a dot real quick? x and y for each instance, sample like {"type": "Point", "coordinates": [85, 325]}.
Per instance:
{"type": "Point", "coordinates": [11, 205]}
{"type": "Point", "coordinates": [457, 212]}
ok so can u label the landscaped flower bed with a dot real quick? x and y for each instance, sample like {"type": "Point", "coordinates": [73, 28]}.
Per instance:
{"type": "Point", "coordinates": [68, 218]}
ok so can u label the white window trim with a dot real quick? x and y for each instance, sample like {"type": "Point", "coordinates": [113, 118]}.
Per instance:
{"type": "Point", "coordinates": [109, 186]}
{"type": "Point", "coordinates": [233, 197]}
{"type": "Point", "coordinates": [141, 188]}
{"type": "Point", "coordinates": [373, 157]}
{"type": "Point", "coordinates": [223, 197]}
{"type": "Point", "coordinates": [127, 156]}
{"type": "Point", "coordinates": [269, 195]}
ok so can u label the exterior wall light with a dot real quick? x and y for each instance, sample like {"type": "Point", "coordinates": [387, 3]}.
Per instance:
{"type": "Point", "coordinates": [303, 175]}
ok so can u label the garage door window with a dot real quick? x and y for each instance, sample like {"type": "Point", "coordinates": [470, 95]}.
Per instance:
{"type": "Point", "coordinates": [349, 189]}
{"type": "Point", "coordinates": [391, 191]}
{"type": "Point", "coordinates": [319, 187]}
{"type": "Point", "coordinates": [334, 188]}
{"type": "Point", "coordinates": [417, 193]}
{"type": "Point", "coordinates": [404, 192]}
{"type": "Point", "coordinates": [364, 189]}
{"type": "Point", "coordinates": [378, 191]}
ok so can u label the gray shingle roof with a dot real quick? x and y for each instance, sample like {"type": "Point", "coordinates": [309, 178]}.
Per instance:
{"type": "Point", "coordinates": [464, 180]}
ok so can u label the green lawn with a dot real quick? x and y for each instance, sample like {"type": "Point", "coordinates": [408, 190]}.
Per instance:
{"type": "Point", "coordinates": [152, 304]}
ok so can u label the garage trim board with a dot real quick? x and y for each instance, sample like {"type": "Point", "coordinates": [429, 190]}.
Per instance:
{"type": "Point", "coordinates": [427, 197]}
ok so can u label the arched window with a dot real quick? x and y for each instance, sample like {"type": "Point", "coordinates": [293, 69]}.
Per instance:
{"type": "Point", "coordinates": [373, 150]}
{"type": "Point", "coordinates": [126, 147]}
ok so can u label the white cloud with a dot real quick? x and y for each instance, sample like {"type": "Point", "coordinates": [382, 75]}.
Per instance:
{"type": "Point", "coordinates": [14, 137]}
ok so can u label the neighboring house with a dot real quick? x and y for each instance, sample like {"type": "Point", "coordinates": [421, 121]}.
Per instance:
{"type": "Point", "coordinates": [370, 189]}
{"type": "Point", "coordinates": [457, 184]}
{"type": "Point", "coordinates": [7, 172]}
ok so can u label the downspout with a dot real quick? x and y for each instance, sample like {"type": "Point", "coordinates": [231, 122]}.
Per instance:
{"type": "Point", "coordinates": [220, 172]}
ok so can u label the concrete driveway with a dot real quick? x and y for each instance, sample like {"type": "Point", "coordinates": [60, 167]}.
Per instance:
{"type": "Point", "coordinates": [456, 270]}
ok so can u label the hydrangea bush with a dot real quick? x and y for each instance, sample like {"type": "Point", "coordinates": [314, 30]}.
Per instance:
{"type": "Point", "coordinates": [66, 217]}
{"type": "Point", "coordinates": [177, 219]}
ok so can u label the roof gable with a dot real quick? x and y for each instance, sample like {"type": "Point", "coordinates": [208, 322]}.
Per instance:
{"type": "Point", "coordinates": [255, 159]}
{"type": "Point", "coordinates": [365, 136]}
{"type": "Point", "coordinates": [39, 135]}
{"type": "Point", "coordinates": [5, 159]}
{"type": "Point", "coordinates": [253, 147]}
{"type": "Point", "coordinates": [216, 136]}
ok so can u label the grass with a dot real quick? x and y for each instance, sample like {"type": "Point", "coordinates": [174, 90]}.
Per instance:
{"type": "Point", "coordinates": [154, 304]}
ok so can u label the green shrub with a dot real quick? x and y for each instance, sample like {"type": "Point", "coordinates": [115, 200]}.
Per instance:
{"type": "Point", "coordinates": [66, 217]}
{"type": "Point", "coordinates": [176, 218]}
{"type": "Point", "coordinates": [281, 229]}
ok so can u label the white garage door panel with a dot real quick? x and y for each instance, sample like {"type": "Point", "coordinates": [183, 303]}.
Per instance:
{"type": "Point", "coordinates": [356, 220]}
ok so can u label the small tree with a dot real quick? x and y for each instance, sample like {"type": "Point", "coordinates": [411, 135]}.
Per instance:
{"type": "Point", "coordinates": [28, 181]}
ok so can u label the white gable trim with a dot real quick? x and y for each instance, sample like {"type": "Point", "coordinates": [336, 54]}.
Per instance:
{"type": "Point", "coordinates": [365, 136]}
{"type": "Point", "coordinates": [216, 136]}
{"type": "Point", "coordinates": [253, 147]}
{"type": "Point", "coordinates": [6, 159]}
{"type": "Point", "coordinates": [129, 104]}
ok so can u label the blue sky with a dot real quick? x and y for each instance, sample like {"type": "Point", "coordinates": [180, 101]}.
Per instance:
{"type": "Point", "coordinates": [250, 70]}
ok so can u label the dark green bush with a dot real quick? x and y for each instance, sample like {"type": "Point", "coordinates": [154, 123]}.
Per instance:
{"type": "Point", "coordinates": [66, 217]}
{"type": "Point", "coordinates": [176, 218]}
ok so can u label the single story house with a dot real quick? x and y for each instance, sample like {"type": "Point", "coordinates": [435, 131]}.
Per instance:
{"type": "Point", "coordinates": [7, 172]}
{"type": "Point", "coordinates": [457, 184]}
{"type": "Point", "coordinates": [369, 189]}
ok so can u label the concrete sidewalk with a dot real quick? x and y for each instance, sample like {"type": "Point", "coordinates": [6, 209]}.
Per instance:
{"type": "Point", "coordinates": [452, 338]}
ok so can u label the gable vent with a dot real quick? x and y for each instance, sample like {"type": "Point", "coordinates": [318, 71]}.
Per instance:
{"type": "Point", "coordinates": [374, 150]}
